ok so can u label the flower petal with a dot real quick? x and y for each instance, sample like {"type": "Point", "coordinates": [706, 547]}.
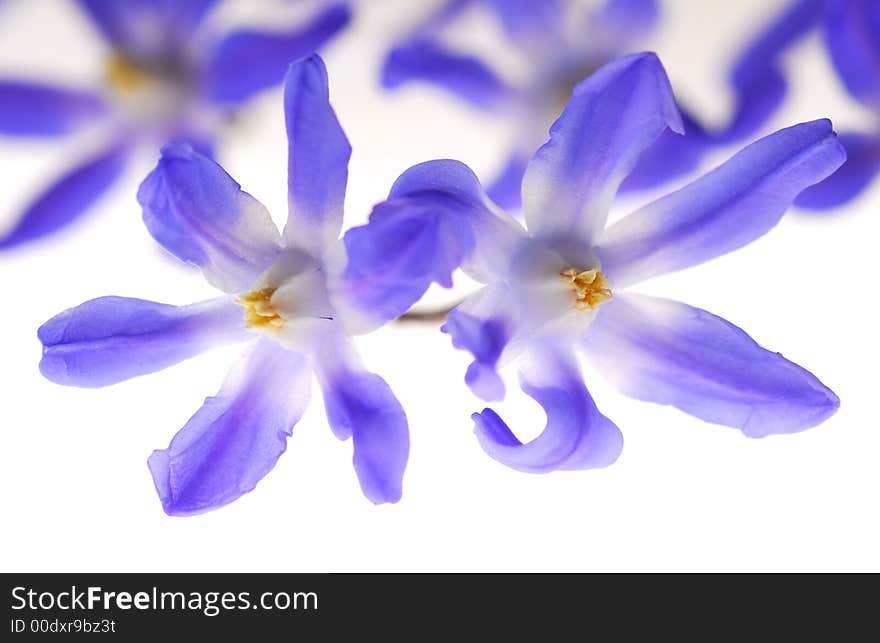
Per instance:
{"type": "Point", "coordinates": [465, 76]}
{"type": "Point", "coordinates": [408, 244]}
{"type": "Point", "coordinates": [861, 168]}
{"type": "Point", "coordinates": [146, 27]}
{"type": "Point", "coordinates": [726, 209]}
{"type": "Point", "coordinates": [31, 109]}
{"type": "Point", "coordinates": [197, 212]}
{"type": "Point", "coordinates": [361, 405]}
{"type": "Point", "coordinates": [69, 197]}
{"type": "Point", "coordinates": [852, 30]}
{"type": "Point", "coordinates": [669, 353]}
{"type": "Point", "coordinates": [577, 435]}
{"type": "Point", "coordinates": [247, 62]}
{"type": "Point", "coordinates": [756, 76]}
{"type": "Point", "coordinates": [236, 438]}
{"type": "Point", "coordinates": [483, 325]}
{"type": "Point", "coordinates": [611, 118]}
{"type": "Point", "coordinates": [496, 235]}
{"type": "Point", "coordinates": [111, 339]}
{"type": "Point", "coordinates": [318, 158]}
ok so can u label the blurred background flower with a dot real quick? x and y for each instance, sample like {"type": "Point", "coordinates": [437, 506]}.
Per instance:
{"type": "Point", "coordinates": [167, 75]}
{"type": "Point", "coordinates": [850, 33]}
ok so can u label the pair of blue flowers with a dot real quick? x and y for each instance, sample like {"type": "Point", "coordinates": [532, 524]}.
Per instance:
{"type": "Point", "coordinates": [556, 285]}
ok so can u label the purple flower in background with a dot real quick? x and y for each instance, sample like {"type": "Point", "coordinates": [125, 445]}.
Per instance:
{"type": "Point", "coordinates": [851, 32]}
{"type": "Point", "coordinates": [562, 281]}
{"type": "Point", "coordinates": [562, 42]}
{"type": "Point", "coordinates": [168, 78]}
{"type": "Point", "coordinates": [284, 292]}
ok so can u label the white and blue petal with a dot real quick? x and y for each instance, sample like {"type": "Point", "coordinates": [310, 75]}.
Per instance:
{"type": "Point", "coordinates": [317, 159]}
{"type": "Point", "coordinates": [360, 405]}
{"type": "Point", "coordinates": [852, 33]}
{"type": "Point", "coordinates": [669, 353]}
{"type": "Point", "coordinates": [111, 339]}
{"type": "Point", "coordinates": [611, 118]}
{"type": "Point", "coordinates": [247, 62]}
{"type": "Point", "coordinates": [236, 438]}
{"type": "Point", "coordinates": [69, 197]}
{"type": "Point", "coordinates": [726, 209]}
{"type": "Point", "coordinates": [577, 435]}
{"type": "Point", "coordinates": [31, 109]}
{"type": "Point", "coordinates": [197, 212]}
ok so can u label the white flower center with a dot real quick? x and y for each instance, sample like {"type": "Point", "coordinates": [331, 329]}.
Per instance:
{"type": "Point", "coordinates": [289, 302]}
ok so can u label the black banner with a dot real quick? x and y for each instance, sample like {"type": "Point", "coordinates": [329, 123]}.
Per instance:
{"type": "Point", "coordinates": [418, 606]}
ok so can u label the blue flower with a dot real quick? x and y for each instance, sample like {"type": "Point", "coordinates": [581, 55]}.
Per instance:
{"type": "Point", "coordinates": [561, 282]}
{"type": "Point", "coordinates": [851, 32]}
{"type": "Point", "coordinates": [561, 43]}
{"type": "Point", "coordinates": [168, 78]}
{"type": "Point", "coordinates": [285, 294]}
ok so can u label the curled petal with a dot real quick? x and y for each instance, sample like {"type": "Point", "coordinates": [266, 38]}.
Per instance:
{"type": "Point", "coordinates": [756, 77]}
{"type": "Point", "coordinates": [669, 353]}
{"type": "Point", "coordinates": [483, 325]}
{"type": "Point", "coordinates": [247, 62]}
{"type": "Point", "coordinates": [464, 76]}
{"type": "Point", "coordinates": [235, 439]}
{"type": "Point", "coordinates": [69, 197]}
{"type": "Point", "coordinates": [318, 158]}
{"type": "Point", "coordinates": [29, 109]}
{"type": "Point", "coordinates": [852, 31]}
{"type": "Point", "coordinates": [577, 435]}
{"type": "Point", "coordinates": [197, 212]}
{"type": "Point", "coordinates": [726, 209]}
{"type": "Point", "coordinates": [111, 339]}
{"type": "Point", "coordinates": [360, 405]}
{"type": "Point", "coordinates": [850, 180]}
{"type": "Point", "coordinates": [611, 118]}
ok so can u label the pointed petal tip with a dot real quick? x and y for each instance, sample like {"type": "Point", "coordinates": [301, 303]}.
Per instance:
{"type": "Point", "coordinates": [821, 406]}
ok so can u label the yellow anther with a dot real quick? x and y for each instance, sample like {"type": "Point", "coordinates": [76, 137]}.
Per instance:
{"type": "Point", "coordinates": [258, 309]}
{"type": "Point", "coordinates": [590, 287]}
{"type": "Point", "coordinates": [127, 77]}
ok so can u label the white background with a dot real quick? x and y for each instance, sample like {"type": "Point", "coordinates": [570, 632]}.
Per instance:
{"type": "Point", "coordinates": [76, 492]}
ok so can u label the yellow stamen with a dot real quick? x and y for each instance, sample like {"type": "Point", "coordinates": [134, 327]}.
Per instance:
{"type": "Point", "coordinates": [126, 76]}
{"type": "Point", "coordinates": [258, 310]}
{"type": "Point", "coordinates": [590, 286]}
